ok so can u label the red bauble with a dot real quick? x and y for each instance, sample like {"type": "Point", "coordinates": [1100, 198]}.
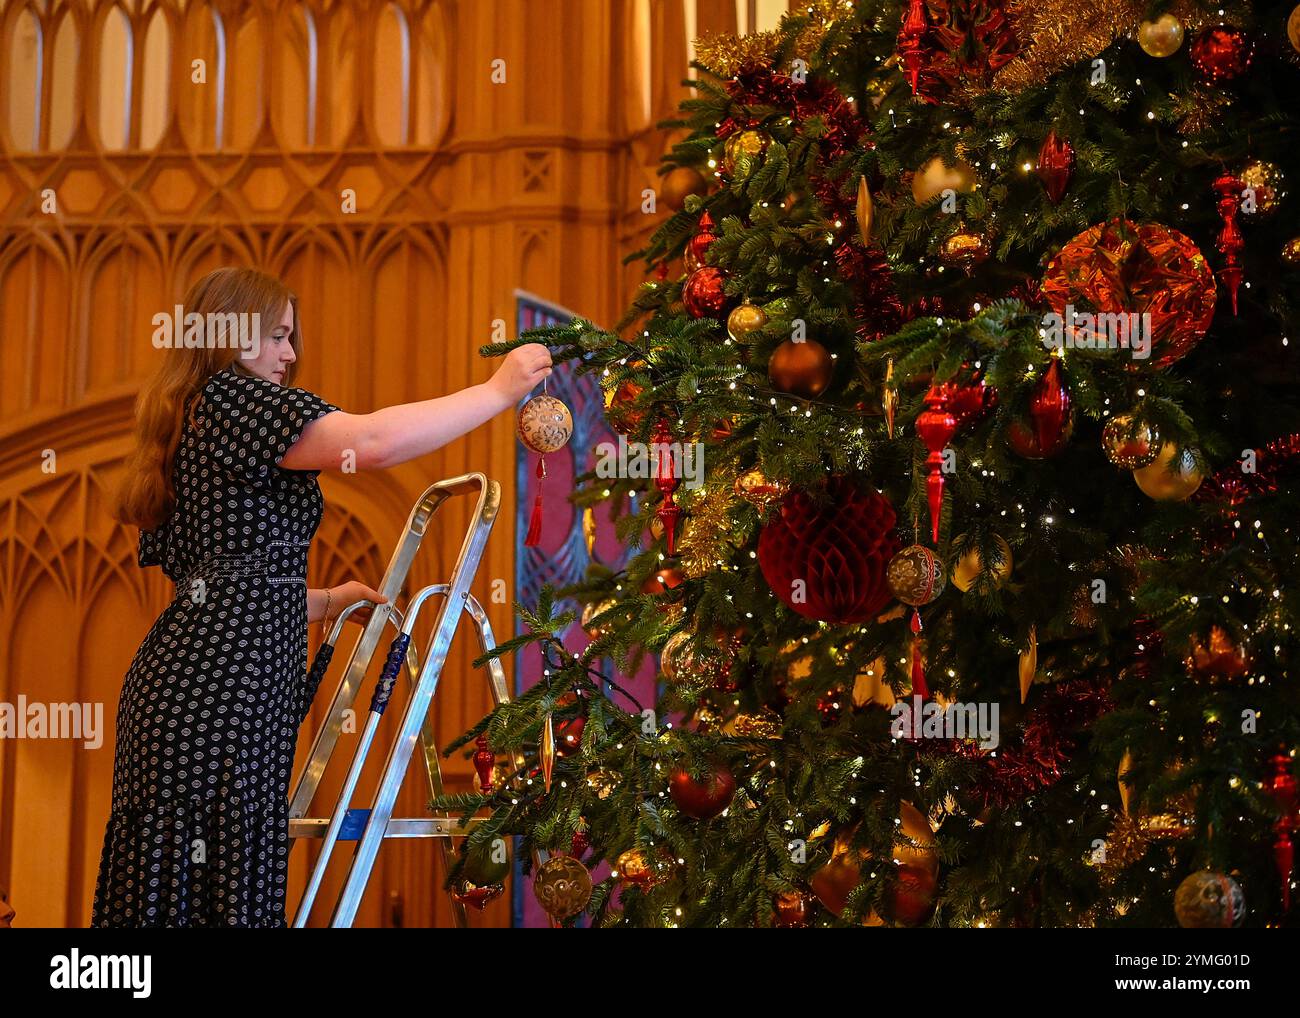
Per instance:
{"type": "Point", "coordinates": [827, 561]}
{"type": "Point", "coordinates": [705, 799]}
{"type": "Point", "coordinates": [968, 403]}
{"type": "Point", "coordinates": [663, 580]}
{"type": "Point", "coordinates": [1050, 420]}
{"type": "Point", "coordinates": [702, 293]}
{"type": "Point", "coordinates": [1221, 52]}
{"type": "Point", "coordinates": [1055, 166]}
{"type": "Point", "coordinates": [912, 895]}
{"type": "Point", "coordinates": [568, 736]}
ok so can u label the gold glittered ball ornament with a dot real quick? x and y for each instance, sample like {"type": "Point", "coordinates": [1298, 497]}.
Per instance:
{"type": "Point", "coordinates": [915, 575]}
{"type": "Point", "coordinates": [1130, 443]}
{"type": "Point", "coordinates": [1162, 37]}
{"type": "Point", "coordinates": [743, 147]}
{"type": "Point", "coordinates": [1267, 187]}
{"type": "Point", "coordinates": [562, 886]}
{"type": "Point", "coordinates": [744, 321]}
{"type": "Point", "coordinates": [1291, 251]}
{"type": "Point", "coordinates": [967, 569]}
{"type": "Point", "coordinates": [1158, 481]}
{"type": "Point", "coordinates": [545, 424]}
{"type": "Point", "coordinates": [934, 178]}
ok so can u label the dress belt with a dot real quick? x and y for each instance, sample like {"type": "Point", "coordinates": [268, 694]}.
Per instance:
{"type": "Point", "coordinates": [277, 562]}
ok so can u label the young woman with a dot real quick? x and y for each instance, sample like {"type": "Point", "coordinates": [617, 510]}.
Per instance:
{"type": "Point", "coordinates": [222, 484]}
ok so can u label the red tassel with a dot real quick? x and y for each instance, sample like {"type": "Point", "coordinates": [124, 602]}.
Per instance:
{"type": "Point", "coordinates": [534, 535]}
{"type": "Point", "coordinates": [918, 664]}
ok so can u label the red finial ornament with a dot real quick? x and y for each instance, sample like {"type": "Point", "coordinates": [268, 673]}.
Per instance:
{"type": "Point", "coordinates": [484, 760]}
{"type": "Point", "coordinates": [1055, 166]}
{"type": "Point", "coordinates": [1230, 242]}
{"type": "Point", "coordinates": [912, 42]}
{"type": "Point", "coordinates": [1281, 785]}
{"type": "Point", "coordinates": [1050, 407]}
{"type": "Point", "coordinates": [698, 246]}
{"type": "Point", "coordinates": [936, 425]}
{"type": "Point", "coordinates": [666, 479]}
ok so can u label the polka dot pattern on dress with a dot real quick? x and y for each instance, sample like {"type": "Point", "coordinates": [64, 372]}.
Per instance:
{"type": "Point", "coordinates": [207, 721]}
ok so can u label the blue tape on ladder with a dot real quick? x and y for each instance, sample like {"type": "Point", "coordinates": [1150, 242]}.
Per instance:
{"type": "Point", "coordinates": [354, 822]}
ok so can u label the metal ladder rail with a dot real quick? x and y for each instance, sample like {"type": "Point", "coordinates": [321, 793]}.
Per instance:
{"type": "Point", "coordinates": [415, 716]}
{"type": "Point", "coordinates": [399, 565]}
{"type": "Point", "coordinates": [428, 740]}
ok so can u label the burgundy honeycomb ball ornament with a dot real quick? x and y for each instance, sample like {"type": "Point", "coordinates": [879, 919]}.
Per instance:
{"type": "Point", "coordinates": [827, 559]}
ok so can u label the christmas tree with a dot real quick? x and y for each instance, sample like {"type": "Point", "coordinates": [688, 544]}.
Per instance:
{"type": "Point", "coordinates": [973, 315]}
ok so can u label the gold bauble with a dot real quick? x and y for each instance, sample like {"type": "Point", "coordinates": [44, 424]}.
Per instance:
{"type": "Point", "coordinates": [1266, 180]}
{"type": "Point", "coordinates": [590, 612]}
{"type": "Point", "coordinates": [756, 489]}
{"type": "Point", "coordinates": [633, 867]}
{"type": "Point", "coordinates": [544, 424]}
{"type": "Point", "coordinates": [677, 659]}
{"type": "Point", "coordinates": [1157, 481]}
{"type": "Point", "coordinates": [968, 568]}
{"type": "Point", "coordinates": [1291, 251]}
{"type": "Point", "coordinates": [744, 145]}
{"type": "Point", "coordinates": [1293, 28]}
{"type": "Point", "coordinates": [1128, 443]}
{"type": "Point", "coordinates": [934, 178]}
{"type": "Point", "coordinates": [680, 184]}
{"type": "Point", "coordinates": [1162, 37]}
{"type": "Point", "coordinates": [745, 319]}
{"type": "Point", "coordinates": [562, 886]}
{"type": "Point", "coordinates": [602, 782]}
{"type": "Point", "coordinates": [964, 250]}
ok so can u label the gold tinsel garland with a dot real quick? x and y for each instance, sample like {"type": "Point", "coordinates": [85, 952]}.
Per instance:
{"type": "Point", "coordinates": [1053, 35]}
{"type": "Point", "coordinates": [708, 528]}
{"type": "Point", "coordinates": [725, 55]}
{"type": "Point", "coordinates": [1058, 33]}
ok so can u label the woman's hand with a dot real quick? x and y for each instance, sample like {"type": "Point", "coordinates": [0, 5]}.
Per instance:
{"type": "Point", "coordinates": [350, 593]}
{"type": "Point", "coordinates": [520, 372]}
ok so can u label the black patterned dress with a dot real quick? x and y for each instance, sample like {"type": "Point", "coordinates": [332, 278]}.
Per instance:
{"type": "Point", "coordinates": [209, 713]}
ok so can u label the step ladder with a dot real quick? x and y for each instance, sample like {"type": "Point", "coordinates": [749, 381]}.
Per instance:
{"type": "Point", "coordinates": [370, 826]}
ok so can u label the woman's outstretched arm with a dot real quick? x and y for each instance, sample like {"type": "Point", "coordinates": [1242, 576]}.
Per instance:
{"type": "Point", "coordinates": [399, 433]}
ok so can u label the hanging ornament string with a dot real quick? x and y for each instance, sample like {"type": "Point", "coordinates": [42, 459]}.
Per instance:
{"type": "Point", "coordinates": [544, 426]}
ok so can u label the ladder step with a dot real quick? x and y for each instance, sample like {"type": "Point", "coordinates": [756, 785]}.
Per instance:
{"type": "Point", "coordinates": [354, 823]}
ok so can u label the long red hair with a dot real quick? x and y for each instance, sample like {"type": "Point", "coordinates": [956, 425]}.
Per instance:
{"type": "Point", "coordinates": [147, 496]}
